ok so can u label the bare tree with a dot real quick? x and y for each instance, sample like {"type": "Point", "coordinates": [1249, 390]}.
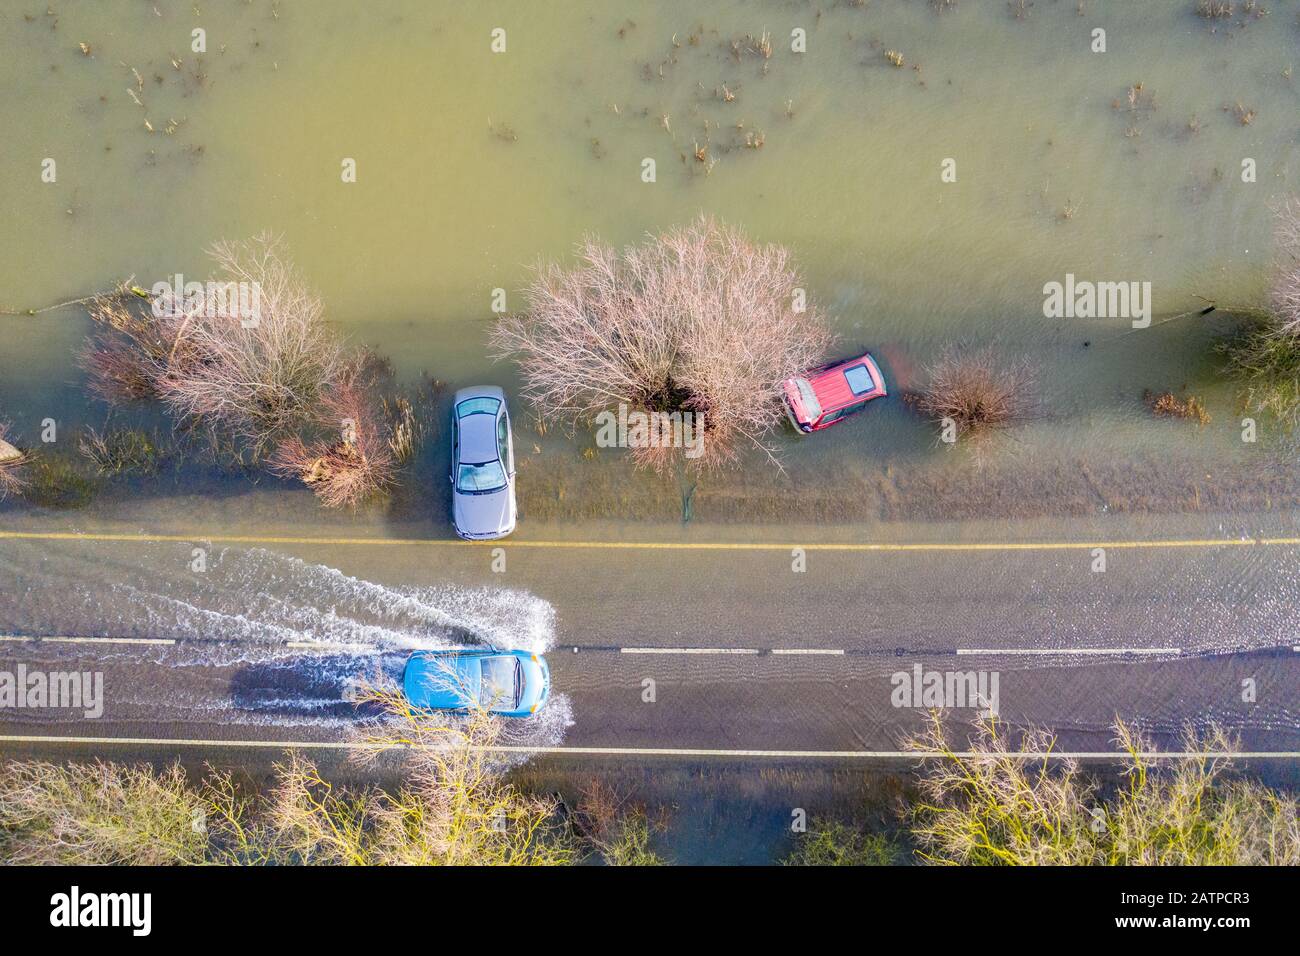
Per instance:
{"type": "Point", "coordinates": [254, 377]}
{"type": "Point", "coordinates": [697, 319]}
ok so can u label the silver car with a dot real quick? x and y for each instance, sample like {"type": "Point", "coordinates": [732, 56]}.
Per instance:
{"type": "Point", "coordinates": [482, 464]}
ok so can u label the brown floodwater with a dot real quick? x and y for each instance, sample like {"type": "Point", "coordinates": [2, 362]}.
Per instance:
{"type": "Point", "coordinates": [472, 165]}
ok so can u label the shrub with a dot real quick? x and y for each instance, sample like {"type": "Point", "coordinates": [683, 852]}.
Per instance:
{"type": "Point", "coordinates": [1214, 9]}
{"type": "Point", "coordinates": [1007, 805]}
{"type": "Point", "coordinates": [360, 461]}
{"type": "Point", "coordinates": [99, 814]}
{"type": "Point", "coordinates": [697, 319]}
{"type": "Point", "coordinates": [838, 844]}
{"type": "Point", "coordinates": [256, 381]}
{"type": "Point", "coordinates": [453, 807]}
{"type": "Point", "coordinates": [1265, 356]}
{"type": "Point", "coordinates": [1284, 297]}
{"type": "Point", "coordinates": [12, 463]}
{"type": "Point", "coordinates": [617, 829]}
{"type": "Point", "coordinates": [120, 450]}
{"type": "Point", "coordinates": [977, 391]}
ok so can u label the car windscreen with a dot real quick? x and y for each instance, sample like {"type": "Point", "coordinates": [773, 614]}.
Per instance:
{"type": "Point", "coordinates": [500, 684]}
{"type": "Point", "coordinates": [808, 398]}
{"type": "Point", "coordinates": [859, 379]}
{"type": "Point", "coordinates": [476, 479]}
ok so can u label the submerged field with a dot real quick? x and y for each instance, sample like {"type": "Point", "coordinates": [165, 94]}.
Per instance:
{"type": "Point", "coordinates": [471, 165]}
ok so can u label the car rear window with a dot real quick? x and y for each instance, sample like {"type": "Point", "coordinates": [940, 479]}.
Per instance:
{"type": "Point", "coordinates": [859, 379]}
{"type": "Point", "coordinates": [477, 406]}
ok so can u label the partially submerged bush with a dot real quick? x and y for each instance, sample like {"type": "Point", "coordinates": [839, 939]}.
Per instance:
{"type": "Point", "coordinates": [358, 459]}
{"type": "Point", "coordinates": [256, 378]}
{"type": "Point", "coordinates": [1284, 297]}
{"type": "Point", "coordinates": [120, 451]}
{"type": "Point", "coordinates": [977, 391]}
{"type": "Point", "coordinates": [13, 461]}
{"type": "Point", "coordinates": [1266, 361]}
{"type": "Point", "coordinates": [57, 480]}
{"type": "Point", "coordinates": [1265, 356]}
{"type": "Point", "coordinates": [1007, 805]}
{"type": "Point", "coordinates": [1214, 9]}
{"type": "Point", "coordinates": [1169, 405]}
{"type": "Point", "coordinates": [618, 829]}
{"type": "Point", "coordinates": [698, 319]}
{"type": "Point", "coordinates": [832, 843]}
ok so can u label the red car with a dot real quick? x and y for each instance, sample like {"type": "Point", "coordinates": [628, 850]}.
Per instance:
{"type": "Point", "coordinates": [829, 393]}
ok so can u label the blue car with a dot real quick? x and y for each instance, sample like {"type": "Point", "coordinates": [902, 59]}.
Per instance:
{"type": "Point", "coordinates": [508, 683]}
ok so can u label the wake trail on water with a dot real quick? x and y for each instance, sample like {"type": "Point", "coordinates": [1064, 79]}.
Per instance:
{"type": "Point", "coordinates": [294, 642]}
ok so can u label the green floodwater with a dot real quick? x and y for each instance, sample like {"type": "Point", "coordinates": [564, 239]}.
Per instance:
{"type": "Point", "coordinates": [472, 165]}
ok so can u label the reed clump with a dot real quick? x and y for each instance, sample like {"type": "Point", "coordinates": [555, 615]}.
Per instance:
{"type": "Point", "coordinates": [1169, 405]}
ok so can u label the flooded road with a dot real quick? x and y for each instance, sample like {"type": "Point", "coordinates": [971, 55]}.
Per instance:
{"type": "Point", "coordinates": [665, 650]}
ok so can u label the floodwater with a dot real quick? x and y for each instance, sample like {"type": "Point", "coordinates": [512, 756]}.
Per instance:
{"type": "Point", "coordinates": [472, 165]}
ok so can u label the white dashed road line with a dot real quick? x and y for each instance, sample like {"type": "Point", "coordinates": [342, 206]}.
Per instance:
{"type": "Point", "coordinates": [1057, 651]}
{"type": "Point", "coordinates": [86, 640]}
{"type": "Point", "coordinates": [688, 650]}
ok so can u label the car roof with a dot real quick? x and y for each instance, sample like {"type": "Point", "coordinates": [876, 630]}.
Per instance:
{"type": "Point", "coordinates": [478, 438]}
{"type": "Point", "coordinates": [832, 387]}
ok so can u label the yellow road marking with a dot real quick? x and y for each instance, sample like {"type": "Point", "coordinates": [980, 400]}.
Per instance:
{"type": "Point", "coordinates": [652, 545]}
{"type": "Point", "coordinates": [622, 751]}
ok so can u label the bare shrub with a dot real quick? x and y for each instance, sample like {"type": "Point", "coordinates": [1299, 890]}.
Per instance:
{"type": "Point", "coordinates": [455, 807]}
{"type": "Point", "coordinates": [126, 354]}
{"type": "Point", "coordinates": [101, 814]}
{"type": "Point", "coordinates": [1265, 355]}
{"type": "Point", "coordinates": [616, 827]}
{"type": "Point", "coordinates": [359, 462]}
{"type": "Point", "coordinates": [12, 462]}
{"type": "Point", "coordinates": [254, 379]}
{"type": "Point", "coordinates": [120, 450]}
{"type": "Point", "coordinates": [1284, 296]}
{"type": "Point", "coordinates": [1000, 802]}
{"type": "Point", "coordinates": [978, 391]}
{"type": "Point", "coordinates": [257, 381]}
{"type": "Point", "coordinates": [696, 319]}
